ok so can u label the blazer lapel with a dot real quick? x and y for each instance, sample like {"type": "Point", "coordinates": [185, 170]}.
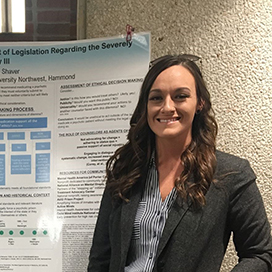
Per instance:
{"type": "Point", "coordinates": [128, 214]}
{"type": "Point", "coordinates": [176, 214]}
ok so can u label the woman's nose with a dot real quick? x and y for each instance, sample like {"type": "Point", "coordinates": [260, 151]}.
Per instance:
{"type": "Point", "coordinates": [168, 105]}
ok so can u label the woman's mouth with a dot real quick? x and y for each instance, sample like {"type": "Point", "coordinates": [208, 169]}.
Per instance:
{"type": "Point", "coordinates": [168, 120]}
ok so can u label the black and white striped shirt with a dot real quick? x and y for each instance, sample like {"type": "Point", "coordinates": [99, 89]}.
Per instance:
{"type": "Point", "coordinates": [149, 223]}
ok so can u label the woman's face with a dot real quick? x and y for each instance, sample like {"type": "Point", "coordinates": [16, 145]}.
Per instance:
{"type": "Point", "coordinates": [172, 104]}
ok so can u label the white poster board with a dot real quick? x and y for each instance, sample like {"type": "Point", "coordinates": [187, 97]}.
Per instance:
{"type": "Point", "coordinates": [64, 108]}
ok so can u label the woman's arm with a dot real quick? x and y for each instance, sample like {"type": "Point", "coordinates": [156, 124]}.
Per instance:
{"type": "Point", "coordinates": [100, 253]}
{"type": "Point", "coordinates": [251, 229]}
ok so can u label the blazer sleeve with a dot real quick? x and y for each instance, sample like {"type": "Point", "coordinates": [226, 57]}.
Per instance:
{"type": "Point", "coordinates": [250, 226]}
{"type": "Point", "coordinates": [100, 252]}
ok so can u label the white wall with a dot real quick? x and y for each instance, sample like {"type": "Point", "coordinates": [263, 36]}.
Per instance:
{"type": "Point", "coordinates": [234, 39]}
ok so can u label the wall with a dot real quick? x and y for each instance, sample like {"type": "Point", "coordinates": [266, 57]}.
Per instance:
{"type": "Point", "coordinates": [234, 39]}
{"type": "Point", "coordinates": [48, 20]}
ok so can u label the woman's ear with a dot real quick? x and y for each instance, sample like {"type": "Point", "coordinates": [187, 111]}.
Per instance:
{"type": "Point", "coordinates": [200, 106]}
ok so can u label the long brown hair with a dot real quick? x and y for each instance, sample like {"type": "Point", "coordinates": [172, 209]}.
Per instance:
{"type": "Point", "coordinates": [129, 163]}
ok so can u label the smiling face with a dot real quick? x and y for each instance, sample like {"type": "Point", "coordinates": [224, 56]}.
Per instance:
{"type": "Point", "coordinates": [172, 104]}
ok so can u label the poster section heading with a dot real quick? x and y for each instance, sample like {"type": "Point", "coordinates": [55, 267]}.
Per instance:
{"type": "Point", "coordinates": [64, 50]}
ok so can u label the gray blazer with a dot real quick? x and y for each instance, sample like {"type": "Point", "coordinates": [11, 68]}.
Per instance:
{"type": "Point", "coordinates": [193, 241]}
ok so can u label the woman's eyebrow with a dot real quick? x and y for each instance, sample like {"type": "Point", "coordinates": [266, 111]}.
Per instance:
{"type": "Point", "coordinates": [176, 90]}
{"type": "Point", "coordinates": [183, 89]}
{"type": "Point", "coordinates": [155, 91]}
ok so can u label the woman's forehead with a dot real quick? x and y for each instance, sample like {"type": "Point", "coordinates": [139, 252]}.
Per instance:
{"type": "Point", "coordinates": [174, 77]}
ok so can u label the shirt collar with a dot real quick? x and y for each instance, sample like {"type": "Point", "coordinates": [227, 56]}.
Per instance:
{"type": "Point", "coordinates": [152, 162]}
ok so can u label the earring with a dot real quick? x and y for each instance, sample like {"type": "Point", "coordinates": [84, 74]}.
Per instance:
{"type": "Point", "coordinates": [198, 112]}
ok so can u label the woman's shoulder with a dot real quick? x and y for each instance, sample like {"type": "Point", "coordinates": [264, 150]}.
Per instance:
{"type": "Point", "coordinates": [229, 162]}
{"type": "Point", "coordinates": [233, 170]}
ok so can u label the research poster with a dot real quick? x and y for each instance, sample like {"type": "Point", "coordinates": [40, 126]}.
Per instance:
{"type": "Point", "coordinates": [64, 109]}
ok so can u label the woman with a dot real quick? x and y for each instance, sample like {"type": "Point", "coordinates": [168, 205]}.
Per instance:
{"type": "Point", "coordinates": [171, 200]}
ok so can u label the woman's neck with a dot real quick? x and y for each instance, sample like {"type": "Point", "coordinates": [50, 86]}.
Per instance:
{"type": "Point", "coordinates": [169, 151]}
{"type": "Point", "coordinates": [169, 165]}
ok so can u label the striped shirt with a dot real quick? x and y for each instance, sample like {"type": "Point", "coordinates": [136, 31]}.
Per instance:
{"type": "Point", "coordinates": [149, 223]}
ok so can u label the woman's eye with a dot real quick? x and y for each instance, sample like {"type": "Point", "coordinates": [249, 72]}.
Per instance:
{"type": "Point", "coordinates": [155, 98]}
{"type": "Point", "coordinates": [181, 96]}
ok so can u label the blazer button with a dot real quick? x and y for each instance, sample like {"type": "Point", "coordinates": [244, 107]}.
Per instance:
{"type": "Point", "coordinates": [161, 265]}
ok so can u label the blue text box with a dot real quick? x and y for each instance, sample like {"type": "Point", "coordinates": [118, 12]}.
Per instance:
{"type": "Point", "coordinates": [1, 135]}
{"type": "Point", "coordinates": [43, 146]}
{"type": "Point", "coordinates": [18, 147]}
{"type": "Point", "coordinates": [20, 164]}
{"type": "Point", "coordinates": [17, 123]}
{"type": "Point", "coordinates": [42, 167]}
{"type": "Point", "coordinates": [2, 170]}
{"type": "Point", "coordinates": [2, 147]}
{"type": "Point", "coordinates": [16, 136]}
{"type": "Point", "coordinates": [40, 135]}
